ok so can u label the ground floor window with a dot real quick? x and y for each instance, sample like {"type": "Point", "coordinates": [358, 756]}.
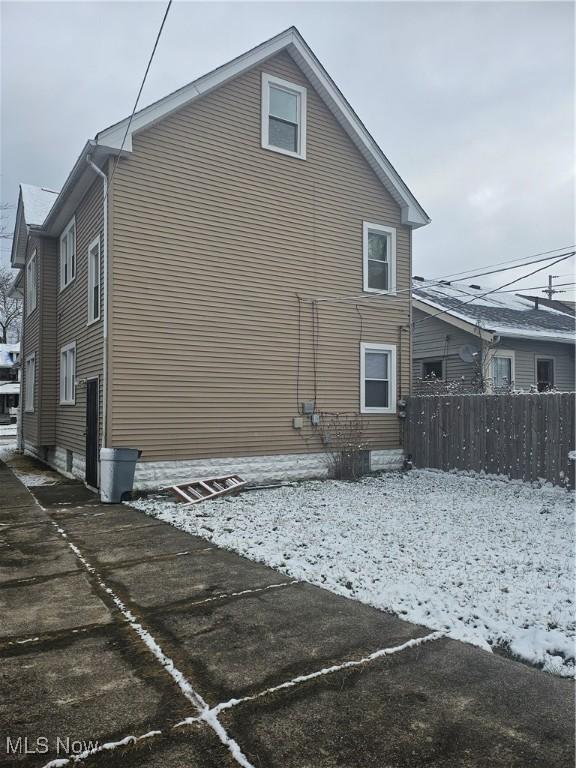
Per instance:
{"type": "Point", "coordinates": [377, 378]}
{"type": "Point", "coordinates": [29, 382]}
{"type": "Point", "coordinates": [544, 374]}
{"type": "Point", "coordinates": [68, 374]}
{"type": "Point", "coordinates": [503, 370]}
{"type": "Point", "coordinates": [432, 369]}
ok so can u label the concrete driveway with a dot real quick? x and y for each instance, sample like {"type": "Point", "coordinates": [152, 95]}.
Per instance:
{"type": "Point", "coordinates": [120, 631]}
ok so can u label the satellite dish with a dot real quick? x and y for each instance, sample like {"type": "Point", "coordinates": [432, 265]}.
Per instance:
{"type": "Point", "coordinates": [468, 353]}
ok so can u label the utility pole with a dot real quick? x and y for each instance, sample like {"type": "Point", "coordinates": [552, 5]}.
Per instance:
{"type": "Point", "coordinates": [550, 291]}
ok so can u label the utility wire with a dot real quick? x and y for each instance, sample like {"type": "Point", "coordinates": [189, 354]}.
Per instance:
{"type": "Point", "coordinates": [140, 90]}
{"type": "Point", "coordinates": [528, 261]}
{"type": "Point", "coordinates": [511, 261]}
{"type": "Point", "coordinates": [492, 290]}
{"type": "Point", "coordinates": [537, 287]}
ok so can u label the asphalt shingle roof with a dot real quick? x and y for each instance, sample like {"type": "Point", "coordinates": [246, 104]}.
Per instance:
{"type": "Point", "coordinates": [506, 314]}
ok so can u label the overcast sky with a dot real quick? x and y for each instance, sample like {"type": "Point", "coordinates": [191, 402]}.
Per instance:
{"type": "Point", "coordinates": [473, 103]}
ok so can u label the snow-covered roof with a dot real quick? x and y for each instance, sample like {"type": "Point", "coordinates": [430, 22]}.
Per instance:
{"type": "Point", "coordinates": [37, 202]}
{"type": "Point", "coordinates": [9, 355]}
{"type": "Point", "coordinates": [10, 388]}
{"type": "Point", "coordinates": [505, 314]}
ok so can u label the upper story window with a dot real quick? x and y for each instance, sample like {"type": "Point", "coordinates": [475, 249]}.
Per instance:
{"type": "Point", "coordinates": [68, 374]}
{"type": "Point", "coordinates": [68, 254]}
{"type": "Point", "coordinates": [377, 378]}
{"type": "Point", "coordinates": [94, 281]}
{"type": "Point", "coordinates": [379, 249]}
{"type": "Point", "coordinates": [29, 382]}
{"type": "Point", "coordinates": [31, 283]}
{"type": "Point", "coordinates": [283, 117]}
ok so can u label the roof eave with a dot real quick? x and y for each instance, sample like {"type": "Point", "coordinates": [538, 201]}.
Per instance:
{"type": "Point", "coordinates": [16, 258]}
{"type": "Point", "coordinates": [448, 317]}
{"type": "Point", "coordinates": [118, 135]}
{"type": "Point", "coordinates": [75, 187]}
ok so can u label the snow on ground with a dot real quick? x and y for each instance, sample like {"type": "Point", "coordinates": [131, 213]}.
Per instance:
{"type": "Point", "coordinates": [32, 476]}
{"type": "Point", "coordinates": [491, 562]}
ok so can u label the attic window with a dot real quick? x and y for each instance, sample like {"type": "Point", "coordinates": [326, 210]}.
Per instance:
{"type": "Point", "coordinates": [283, 117]}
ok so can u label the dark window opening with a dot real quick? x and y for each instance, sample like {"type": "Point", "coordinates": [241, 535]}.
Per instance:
{"type": "Point", "coordinates": [545, 375]}
{"type": "Point", "coordinates": [432, 369]}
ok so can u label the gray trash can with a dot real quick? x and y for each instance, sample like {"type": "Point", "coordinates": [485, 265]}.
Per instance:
{"type": "Point", "coordinates": [117, 466]}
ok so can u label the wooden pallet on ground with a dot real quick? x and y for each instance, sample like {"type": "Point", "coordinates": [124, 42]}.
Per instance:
{"type": "Point", "coordinates": [209, 488]}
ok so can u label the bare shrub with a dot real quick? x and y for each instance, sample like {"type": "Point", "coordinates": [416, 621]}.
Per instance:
{"type": "Point", "coordinates": [342, 436]}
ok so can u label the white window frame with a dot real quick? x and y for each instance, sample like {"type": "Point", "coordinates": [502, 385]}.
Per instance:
{"type": "Point", "coordinates": [390, 232]}
{"type": "Point", "coordinates": [32, 283]}
{"type": "Point", "coordinates": [64, 354]}
{"type": "Point", "coordinates": [390, 349]}
{"type": "Point", "coordinates": [71, 261]}
{"type": "Point", "coordinates": [300, 92]}
{"type": "Point", "coordinates": [93, 281]}
{"type": "Point", "coordinates": [29, 383]}
{"type": "Point", "coordinates": [508, 353]}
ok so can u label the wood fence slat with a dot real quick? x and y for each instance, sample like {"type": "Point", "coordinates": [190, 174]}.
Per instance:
{"type": "Point", "coordinates": [525, 436]}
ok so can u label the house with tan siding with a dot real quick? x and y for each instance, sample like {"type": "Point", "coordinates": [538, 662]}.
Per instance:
{"type": "Point", "coordinates": [216, 275]}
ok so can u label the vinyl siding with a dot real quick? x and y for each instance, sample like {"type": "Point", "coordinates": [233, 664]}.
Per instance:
{"type": "Point", "coordinates": [526, 353]}
{"type": "Point", "coordinates": [213, 238]}
{"type": "Point", "coordinates": [48, 372]}
{"type": "Point", "coordinates": [30, 345]}
{"type": "Point", "coordinates": [72, 314]}
{"type": "Point", "coordinates": [434, 339]}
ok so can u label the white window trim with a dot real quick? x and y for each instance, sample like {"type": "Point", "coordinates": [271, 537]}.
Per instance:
{"type": "Point", "coordinates": [71, 223]}
{"type": "Point", "coordinates": [503, 353]}
{"type": "Point", "coordinates": [391, 232]}
{"type": "Point", "coordinates": [391, 349]}
{"type": "Point", "coordinates": [29, 407]}
{"type": "Point", "coordinates": [31, 288]}
{"type": "Point", "coordinates": [64, 350]}
{"type": "Point", "coordinates": [94, 244]}
{"type": "Point", "coordinates": [267, 81]}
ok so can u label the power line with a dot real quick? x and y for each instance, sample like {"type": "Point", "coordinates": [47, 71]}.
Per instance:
{"type": "Point", "coordinates": [535, 287]}
{"type": "Point", "coordinates": [493, 290]}
{"type": "Point", "coordinates": [140, 90]}
{"type": "Point", "coordinates": [511, 261]}
{"type": "Point", "coordinates": [528, 260]}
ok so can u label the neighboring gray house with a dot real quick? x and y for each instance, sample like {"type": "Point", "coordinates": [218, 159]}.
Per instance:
{"type": "Point", "coordinates": [497, 342]}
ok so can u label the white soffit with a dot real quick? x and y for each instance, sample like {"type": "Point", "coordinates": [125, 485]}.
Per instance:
{"type": "Point", "coordinates": [291, 41]}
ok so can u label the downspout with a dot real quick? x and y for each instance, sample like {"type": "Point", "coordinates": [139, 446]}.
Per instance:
{"type": "Point", "coordinates": [104, 178]}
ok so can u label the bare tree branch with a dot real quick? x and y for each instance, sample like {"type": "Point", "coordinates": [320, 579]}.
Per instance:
{"type": "Point", "coordinates": [10, 309]}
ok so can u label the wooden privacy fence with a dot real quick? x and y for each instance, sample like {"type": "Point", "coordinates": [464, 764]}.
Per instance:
{"type": "Point", "coordinates": [522, 436]}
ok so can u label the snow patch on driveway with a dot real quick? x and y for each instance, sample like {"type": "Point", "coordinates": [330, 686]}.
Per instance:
{"type": "Point", "coordinates": [489, 562]}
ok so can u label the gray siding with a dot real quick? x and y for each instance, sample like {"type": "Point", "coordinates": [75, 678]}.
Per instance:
{"type": "Point", "coordinates": [435, 339]}
{"type": "Point", "coordinates": [526, 352]}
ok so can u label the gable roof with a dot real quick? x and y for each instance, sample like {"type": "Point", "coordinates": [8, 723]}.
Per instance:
{"type": "Point", "coordinates": [110, 140]}
{"type": "Point", "coordinates": [502, 314]}
{"type": "Point", "coordinates": [37, 202]}
{"type": "Point", "coordinates": [34, 205]}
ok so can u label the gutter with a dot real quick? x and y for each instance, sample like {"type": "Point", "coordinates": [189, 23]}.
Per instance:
{"type": "Point", "coordinates": [104, 178]}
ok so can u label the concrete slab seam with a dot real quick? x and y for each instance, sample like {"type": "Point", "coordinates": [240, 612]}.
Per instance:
{"type": "Point", "coordinates": [414, 642]}
{"type": "Point", "coordinates": [205, 713]}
